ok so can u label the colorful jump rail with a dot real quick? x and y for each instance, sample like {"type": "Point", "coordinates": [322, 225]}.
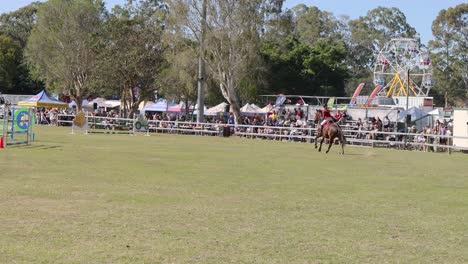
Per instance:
{"type": "Point", "coordinates": [107, 125]}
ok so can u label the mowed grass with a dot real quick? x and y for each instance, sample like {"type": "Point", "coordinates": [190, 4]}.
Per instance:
{"type": "Point", "coordinates": [192, 199]}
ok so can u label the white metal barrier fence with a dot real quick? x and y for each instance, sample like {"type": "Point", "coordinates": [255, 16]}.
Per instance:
{"type": "Point", "coordinates": [100, 124]}
{"type": "Point", "coordinates": [411, 141]}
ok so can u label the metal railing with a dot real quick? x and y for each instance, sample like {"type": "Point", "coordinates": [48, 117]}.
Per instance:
{"type": "Point", "coordinates": [400, 140]}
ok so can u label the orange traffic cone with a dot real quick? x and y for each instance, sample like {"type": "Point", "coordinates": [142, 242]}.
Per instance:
{"type": "Point", "coordinates": [1, 142]}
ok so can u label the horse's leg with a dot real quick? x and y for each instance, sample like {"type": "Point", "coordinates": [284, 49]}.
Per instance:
{"type": "Point", "coordinates": [321, 142]}
{"type": "Point", "coordinates": [332, 139]}
{"type": "Point", "coordinates": [317, 136]}
{"type": "Point", "coordinates": [322, 138]}
{"type": "Point", "coordinates": [343, 141]}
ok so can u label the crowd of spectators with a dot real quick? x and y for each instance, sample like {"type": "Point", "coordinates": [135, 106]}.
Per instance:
{"type": "Point", "coordinates": [272, 126]}
{"type": "Point", "coordinates": [438, 135]}
{"type": "Point", "coordinates": [50, 116]}
{"type": "Point", "coordinates": [422, 139]}
{"type": "Point", "coordinates": [267, 126]}
{"type": "Point", "coordinates": [369, 129]}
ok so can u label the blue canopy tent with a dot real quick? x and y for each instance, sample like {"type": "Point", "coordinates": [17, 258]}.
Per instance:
{"type": "Point", "coordinates": [159, 106]}
{"type": "Point", "coordinates": [43, 100]}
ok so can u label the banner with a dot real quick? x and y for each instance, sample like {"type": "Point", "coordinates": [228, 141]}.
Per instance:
{"type": "Point", "coordinates": [373, 94]}
{"type": "Point", "coordinates": [356, 93]}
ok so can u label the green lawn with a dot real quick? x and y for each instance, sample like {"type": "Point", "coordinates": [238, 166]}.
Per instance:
{"type": "Point", "coordinates": [188, 199]}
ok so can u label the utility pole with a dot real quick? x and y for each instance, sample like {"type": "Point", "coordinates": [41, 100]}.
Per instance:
{"type": "Point", "coordinates": [201, 67]}
{"type": "Point", "coordinates": [407, 90]}
{"type": "Point", "coordinates": [407, 107]}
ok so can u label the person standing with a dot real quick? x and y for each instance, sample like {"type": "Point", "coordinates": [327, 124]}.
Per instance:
{"type": "Point", "coordinates": [435, 132]}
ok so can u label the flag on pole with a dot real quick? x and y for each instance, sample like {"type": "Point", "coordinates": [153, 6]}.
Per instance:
{"type": "Point", "coordinates": [280, 100]}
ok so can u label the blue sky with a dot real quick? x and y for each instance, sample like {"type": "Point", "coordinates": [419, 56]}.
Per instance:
{"type": "Point", "coordinates": [419, 13]}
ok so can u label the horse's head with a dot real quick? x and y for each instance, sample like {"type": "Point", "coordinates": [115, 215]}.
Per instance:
{"type": "Point", "coordinates": [318, 116]}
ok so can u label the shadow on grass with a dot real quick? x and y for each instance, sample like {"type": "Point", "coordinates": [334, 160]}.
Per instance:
{"type": "Point", "coordinates": [359, 154]}
{"type": "Point", "coordinates": [38, 147]}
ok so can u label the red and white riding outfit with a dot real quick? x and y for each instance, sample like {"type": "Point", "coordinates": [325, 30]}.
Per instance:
{"type": "Point", "coordinates": [326, 115]}
{"type": "Point", "coordinates": [338, 116]}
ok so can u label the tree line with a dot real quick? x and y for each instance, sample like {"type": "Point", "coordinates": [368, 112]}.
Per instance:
{"type": "Point", "coordinates": [78, 48]}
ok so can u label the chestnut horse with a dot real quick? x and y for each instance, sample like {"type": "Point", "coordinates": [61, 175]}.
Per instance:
{"type": "Point", "coordinates": [330, 132]}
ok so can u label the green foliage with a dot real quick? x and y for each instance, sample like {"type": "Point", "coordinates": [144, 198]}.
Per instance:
{"type": "Point", "coordinates": [131, 52]}
{"type": "Point", "coordinates": [379, 26]}
{"type": "Point", "coordinates": [305, 53]}
{"type": "Point", "coordinates": [17, 25]}
{"type": "Point", "coordinates": [279, 24]}
{"type": "Point", "coordinates": [313, 24]}
{"type": "Point", "coordinates": [326, 64]}
{"type": "Point", "coordinates": [369, 34]}
{"type": "Point", "coordinates": [285, 60]}
{"type": "Point", "coordinates": [10, 58]}
{"type": "Point", "coordinates": [450, 55]}
{"type": "Point", "coordinates": [78, 48]}
{"type": "Point", "coordinates": [297, 68]}
{"type": "Point", "coordinates": [61, 47]}
{"type": "Point", "coordinates": [231, 40]}
{"type": "Point", "coordinates": [180, 77]}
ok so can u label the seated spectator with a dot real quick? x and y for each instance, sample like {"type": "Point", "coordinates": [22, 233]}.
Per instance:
{"type": "Point", "coordinates": [386, 122]}
{"type": "Point", "coordinates": [378, 124]}
{"type": "Point", "coordinates": [420, 140]}
{"type": "Point", "coordinates": [107, 124]}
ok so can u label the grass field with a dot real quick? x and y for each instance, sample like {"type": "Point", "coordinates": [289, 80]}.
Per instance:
{"type": "Point", "coordinates": [187, 199]}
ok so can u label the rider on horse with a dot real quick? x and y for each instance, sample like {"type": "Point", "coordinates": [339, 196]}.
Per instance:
{"type": "Point", "coordinates": [327, 117]}
{"type": "Point", "coordinates": [333, 130]}
{"type": "Point", "coordinates": [338, 116]}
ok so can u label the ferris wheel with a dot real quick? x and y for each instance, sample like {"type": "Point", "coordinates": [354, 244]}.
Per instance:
{"type": "Point", "coordinates": [393, 63]}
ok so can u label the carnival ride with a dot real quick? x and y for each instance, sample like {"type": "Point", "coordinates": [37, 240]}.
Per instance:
{"type": "Point", "coordinates": [398, 58]}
